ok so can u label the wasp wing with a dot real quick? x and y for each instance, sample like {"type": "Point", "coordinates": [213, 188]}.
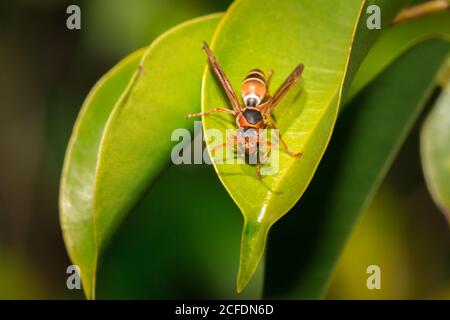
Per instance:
{"type": "Point", "coordinates": [283, 89]}
{"type": "Point", "coordinates": [222, 78]}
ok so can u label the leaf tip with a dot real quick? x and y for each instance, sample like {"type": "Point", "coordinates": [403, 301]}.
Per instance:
{"type": "Point", "coordinates": [254, 235]}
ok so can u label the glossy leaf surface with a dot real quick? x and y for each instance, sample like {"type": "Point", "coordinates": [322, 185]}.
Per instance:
{"type": "Point", "coordinates": [77, 181]}
{"type": "Point", "coordinates": [319, 34]}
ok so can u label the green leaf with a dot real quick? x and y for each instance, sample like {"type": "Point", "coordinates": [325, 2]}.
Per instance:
{"type": "Point", "coordinates": [393, 42]}
{"type": "Point", "coordinates": [77, 180]}
{"type": "Point", "coordinates": [170, 249]}
{"type": "Point", "coordinates": [279, 35]}
{"type": "Point", "coordinates": [367, 137]}
{"type": "Point", "coordinates": [435, 151]}
{"type": "Point", "coordinates": [135, 145]}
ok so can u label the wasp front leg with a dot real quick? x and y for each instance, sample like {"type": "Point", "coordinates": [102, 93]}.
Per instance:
{"type": "Point", "coordinates": [217, 110]}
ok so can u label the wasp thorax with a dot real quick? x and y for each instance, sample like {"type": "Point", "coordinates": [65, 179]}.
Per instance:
{"type": "Point", "coordinates": [253, 89]}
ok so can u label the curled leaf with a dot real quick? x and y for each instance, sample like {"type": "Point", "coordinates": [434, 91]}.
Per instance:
{"type": "Point", "coordinates": [124, 151]}
{"type": "Point", "coordinates": [77, 180]}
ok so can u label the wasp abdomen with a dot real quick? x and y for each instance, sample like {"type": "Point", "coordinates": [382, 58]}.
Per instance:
{"type": "Point", "coordinates": [254, 87]}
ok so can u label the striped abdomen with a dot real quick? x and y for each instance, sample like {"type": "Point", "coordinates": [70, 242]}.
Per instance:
{"type": "Point", "coordinates": [254, 88]}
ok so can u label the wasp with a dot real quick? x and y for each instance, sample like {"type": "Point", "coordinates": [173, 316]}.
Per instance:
{"type": "Point", "coordinates": [255, 112]}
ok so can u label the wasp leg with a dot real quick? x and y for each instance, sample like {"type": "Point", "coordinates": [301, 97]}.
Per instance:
{"type": "Point", "coordinates": [231, 140]}
{"type": "Point", "coordinates": [288, 150]}
{"type": "Point", "coordinates": [220, 146]}
{"type": "Point", "coordinates": [268, 148]}
{"type": "Point", "coordinates": [269, 78]}
{"type": "Point", "coordinates": [218, 110]}
{"type": "Point", "coordinates": [258, 171]}
{"type": "Point", "coordinates": [264, 157]}
{"type": "Point", "coordinates": [223, 145]}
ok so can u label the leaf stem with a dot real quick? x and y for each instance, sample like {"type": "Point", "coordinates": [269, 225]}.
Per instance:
{"type": "Point", "coordinates": [421, 10]}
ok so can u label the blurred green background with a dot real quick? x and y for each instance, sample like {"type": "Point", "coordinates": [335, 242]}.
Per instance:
{"type": "Point", "coordinates": [168, 247]}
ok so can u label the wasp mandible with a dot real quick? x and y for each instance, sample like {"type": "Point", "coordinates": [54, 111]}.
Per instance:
{"type": "Point", "coordinates": [255, 112]}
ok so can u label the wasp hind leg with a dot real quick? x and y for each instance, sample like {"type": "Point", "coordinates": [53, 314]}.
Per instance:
{"type": "Point", "coordinates": [288, 150]}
